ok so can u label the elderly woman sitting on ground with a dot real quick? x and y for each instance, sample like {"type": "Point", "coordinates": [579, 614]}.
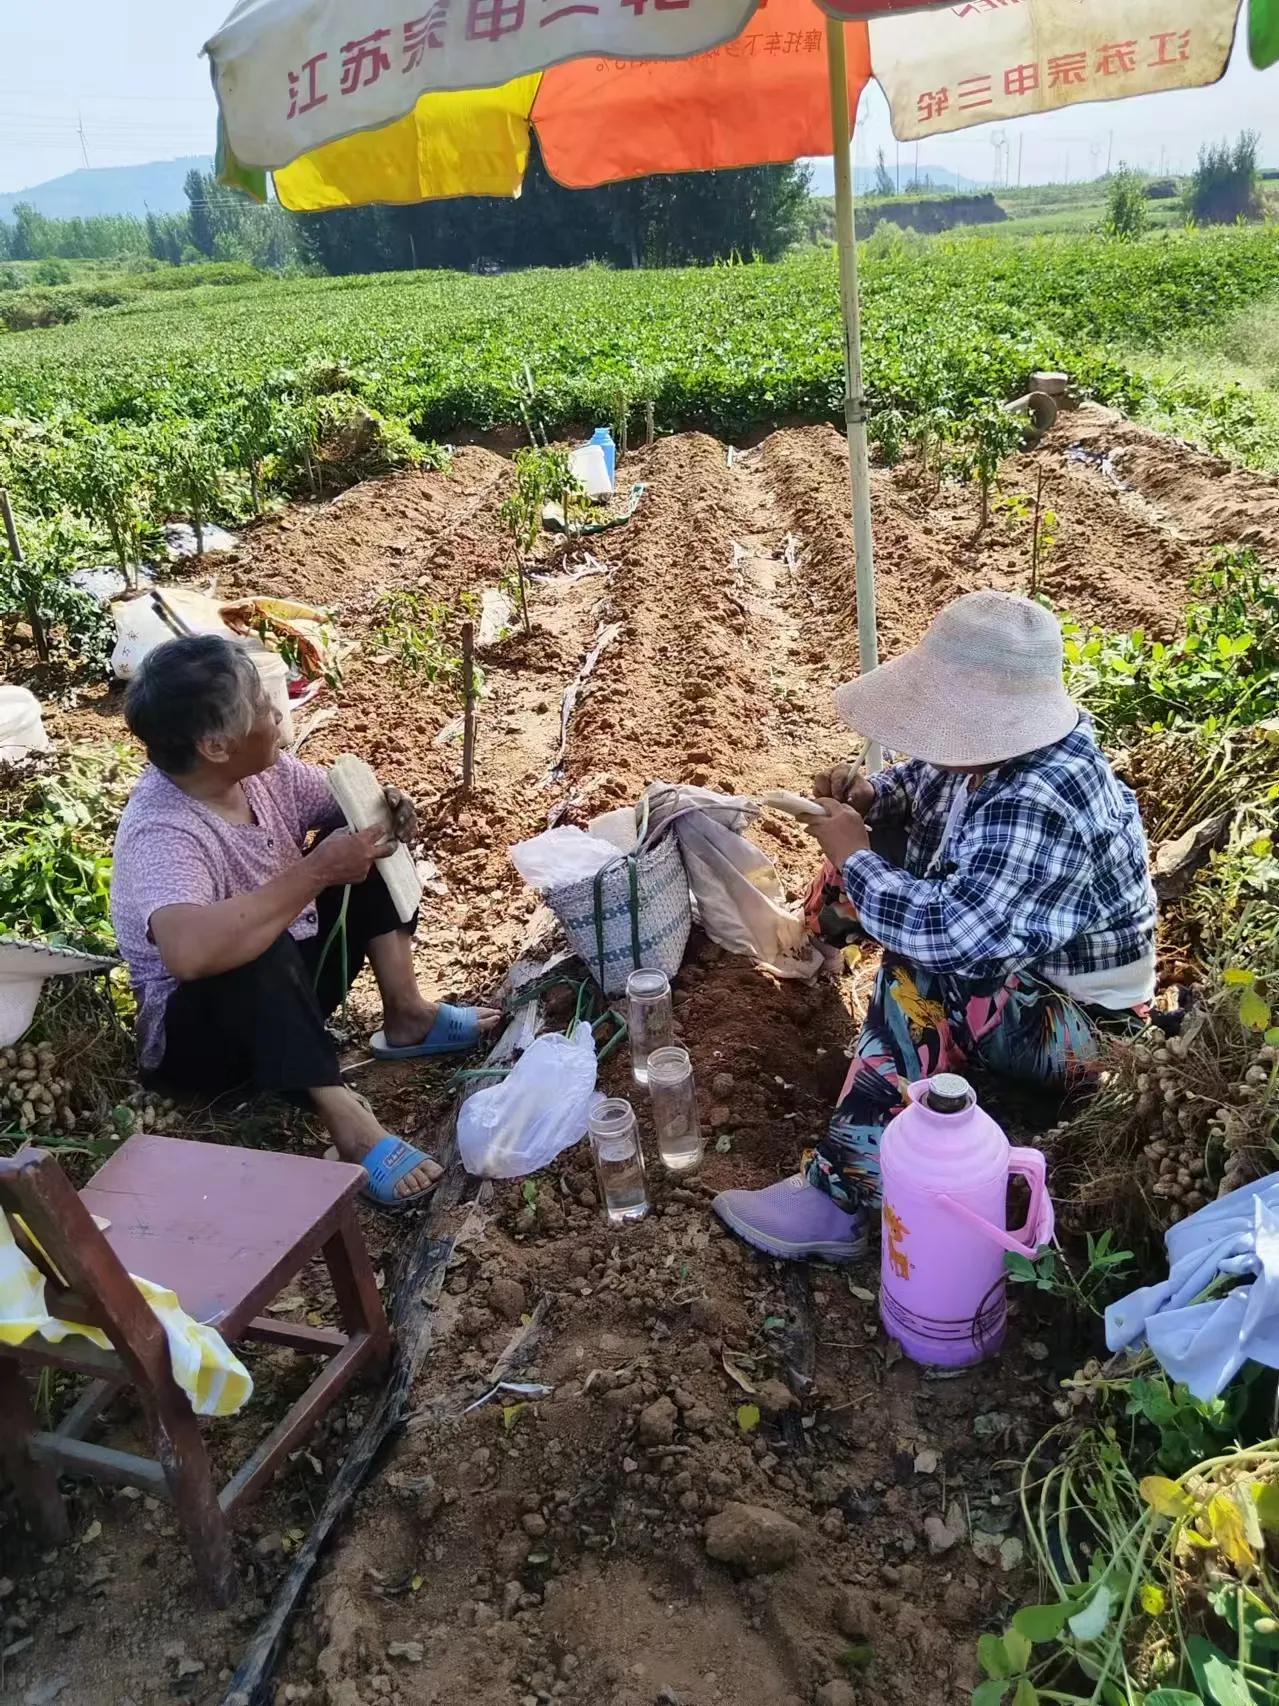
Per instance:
{"type": "Point", "coordinates": [1021, 922]}
{"type": "Point", "coordinates": [223, 912]}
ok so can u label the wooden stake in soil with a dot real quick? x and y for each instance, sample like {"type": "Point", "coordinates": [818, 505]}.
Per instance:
{"type": "Point", "coordinates": [649, 429]}
{"type": "Point", "coordinates": [468, 699]}
{"type": "Point", "coordinates": [39, 633]}
{"type": "Point", "coordinates": [519, 576]}
{"type": "Point", "coordinates": [1034, 534]}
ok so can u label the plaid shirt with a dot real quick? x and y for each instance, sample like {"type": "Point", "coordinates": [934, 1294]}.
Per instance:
{"type": "Point", "coordinates": [1046, 867]}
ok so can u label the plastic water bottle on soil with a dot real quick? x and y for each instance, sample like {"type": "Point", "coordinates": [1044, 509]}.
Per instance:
{"type": "Point", "coordinates": [619, 1161]}
{"type": "Point", "coordinates": [604, 439]}
{"type": "Point", "coordinates": [649, 1018]}
{"type": "Point", "coordinates": [675, 1121]}
{"type": "Point", "coordinates": [592, 465]}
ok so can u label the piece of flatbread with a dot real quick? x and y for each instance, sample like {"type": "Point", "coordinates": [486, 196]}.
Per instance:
{"type": "Point", "coordinates": [359, 793]}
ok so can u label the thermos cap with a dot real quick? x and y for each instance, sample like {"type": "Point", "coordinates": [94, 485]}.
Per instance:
{"type": "Point", "coordinates": [948, 1093]}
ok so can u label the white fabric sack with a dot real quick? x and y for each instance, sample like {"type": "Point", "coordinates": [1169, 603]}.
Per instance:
{"type": "Point", "coordinates": [737, 896]}
{"type": "Point", "coordinates": [541, 1108]}
{"type": "Point", "coordinates": [558, 858]}
{"type": "Point", "coordinates": [21, 727]}
{"type": "Point", "coordinates": [140, 628]}
{"type": "Point", "coordinates": [617, 828]}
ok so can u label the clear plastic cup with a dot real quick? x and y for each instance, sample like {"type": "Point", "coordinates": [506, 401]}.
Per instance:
{"type": "Point", "coordinates": [619, 1161]}
{"type": "Point", "coordinates": [675, 1121]}
{"type": "Point", "coordinates": [649, 1018]}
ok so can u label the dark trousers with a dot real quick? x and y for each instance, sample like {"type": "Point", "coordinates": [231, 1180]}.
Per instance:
{"type": "Point", "coordinates": [261, 1026]}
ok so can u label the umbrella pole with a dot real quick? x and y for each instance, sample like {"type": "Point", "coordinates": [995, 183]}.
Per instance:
{"type": "Point", "coordinates": [854, 396]}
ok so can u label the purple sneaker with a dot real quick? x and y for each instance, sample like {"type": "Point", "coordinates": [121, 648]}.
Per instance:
{"type": "Point", "coordinates": [793, 1219]}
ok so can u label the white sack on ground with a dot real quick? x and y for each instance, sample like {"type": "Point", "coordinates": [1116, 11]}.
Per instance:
{"type": "Point", "coordinates": [737, 895]}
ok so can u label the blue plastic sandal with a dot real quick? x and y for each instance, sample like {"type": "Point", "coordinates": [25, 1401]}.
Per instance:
{"type": "Point", "coordinates": [389, 1161]}
{"type": "Point", "coordinates": [456, 1029]}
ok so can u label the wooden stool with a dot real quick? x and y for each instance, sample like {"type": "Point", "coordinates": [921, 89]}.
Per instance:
{"type": "Point", "coordinates": [226, 1229]}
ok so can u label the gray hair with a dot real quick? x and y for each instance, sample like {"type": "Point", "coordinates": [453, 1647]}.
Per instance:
{"type": "Point", "coordinates": [197, 688]}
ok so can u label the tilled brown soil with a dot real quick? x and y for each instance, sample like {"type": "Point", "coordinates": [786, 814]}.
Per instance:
{"type": "Point", "coordinates": [555, 1551]}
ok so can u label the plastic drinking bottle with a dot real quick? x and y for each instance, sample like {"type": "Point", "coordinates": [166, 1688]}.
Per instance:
{"type": "Point", "coordinates": [649, 1018]}
{"type": "Point", "coordinates": [675, 1120]}
{"type": "Point", "coordinates": [945, 1167]}
{"type": "Point", "coordinates": [604, 438]}
{"type": "Point", "coordinates": [619, 1160]}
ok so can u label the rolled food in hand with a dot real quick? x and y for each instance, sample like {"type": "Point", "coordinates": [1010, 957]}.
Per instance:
{"type": "Point", "coordinates": [795, 805]}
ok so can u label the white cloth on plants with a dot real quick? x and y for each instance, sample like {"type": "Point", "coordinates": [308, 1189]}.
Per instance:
{"type": "Point", "coordinates": [1205, 1343]}
{"type": "Point", "coordinates": [737, 895]}
{"type": "Point", "coordinates": [541, 1108]}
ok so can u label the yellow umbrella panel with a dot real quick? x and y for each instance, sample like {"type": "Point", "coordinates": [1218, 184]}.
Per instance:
{"type": "Point", "coordinates": [761, 97]}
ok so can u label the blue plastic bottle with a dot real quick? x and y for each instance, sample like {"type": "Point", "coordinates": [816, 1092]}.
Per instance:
{"type": "Point", "coordinates": [604, 438]}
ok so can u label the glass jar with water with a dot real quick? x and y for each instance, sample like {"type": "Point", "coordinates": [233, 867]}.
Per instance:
{"type": "Point", "coordinates": [619, 1161]}
{"type": "Point", "coordinates": [675, 1121]}
{"type": "Point", "coordinates": [649, 1018]}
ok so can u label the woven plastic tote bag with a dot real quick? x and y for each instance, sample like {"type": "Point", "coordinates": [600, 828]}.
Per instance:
{"type": "Point", "coordinates": [635, 912]}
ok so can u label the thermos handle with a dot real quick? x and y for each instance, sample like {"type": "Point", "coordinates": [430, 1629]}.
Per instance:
{"type": "Point", "coordinates": [1032, 1167]}
{"type": "Point", "coordinates": [1038, 1229]}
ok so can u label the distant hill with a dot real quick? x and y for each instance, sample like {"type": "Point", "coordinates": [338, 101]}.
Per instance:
{"type": "Point", "coordinates": [155, 187]}
{"type": "Point", "coordinates": [864, 176]}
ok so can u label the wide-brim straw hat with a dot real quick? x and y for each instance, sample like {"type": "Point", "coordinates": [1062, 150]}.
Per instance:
{"type": "Point", "coordinates": [983, 685]}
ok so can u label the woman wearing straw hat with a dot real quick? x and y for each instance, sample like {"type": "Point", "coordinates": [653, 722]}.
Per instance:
{"type": "Point", "coordinates": [1021, 920]}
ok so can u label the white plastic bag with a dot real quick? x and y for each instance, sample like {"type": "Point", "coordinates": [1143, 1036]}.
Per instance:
{"type": "Point", "coordinates": [558, 858]}
{"type": "Point", "coordinates": [540, 1109]}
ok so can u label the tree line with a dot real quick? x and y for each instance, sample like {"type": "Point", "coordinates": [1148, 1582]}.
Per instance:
{"type": "Point", "coordinates": [756, 212]}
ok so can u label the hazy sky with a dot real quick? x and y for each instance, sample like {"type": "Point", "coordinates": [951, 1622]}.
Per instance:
{"type": "Point", "coordinates": [128, 71]}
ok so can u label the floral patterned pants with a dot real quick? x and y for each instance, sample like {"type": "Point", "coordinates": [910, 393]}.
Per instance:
{"type": "Point", "coordinates": [919, 1023]}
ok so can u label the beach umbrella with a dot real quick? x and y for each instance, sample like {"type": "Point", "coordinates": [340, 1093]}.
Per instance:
{"type": "Point", "coordinates": [351, 102]}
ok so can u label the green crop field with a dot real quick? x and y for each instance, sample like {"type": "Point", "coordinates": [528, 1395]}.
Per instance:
{"type": "Point", "coordinates": [210, 391]}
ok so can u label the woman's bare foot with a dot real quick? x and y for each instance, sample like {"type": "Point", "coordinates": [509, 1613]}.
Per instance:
{"type": "Point", "coordinates": [355, 1128]}
{"type": "Point", "coordinates": [408, 1025]}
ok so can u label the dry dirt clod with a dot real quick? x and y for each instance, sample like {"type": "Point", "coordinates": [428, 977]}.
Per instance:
{"type": "Point", "coordinates": [836, 1693]}
{"type": "Point", "coordinates": [775, 1398]}
{"type": "Point", "coordinates": [939, 1537]}
{"type": "Point", "coordinates": [854, 1615]}
{"type": "Point", "coordinates": [752, 1538]}
{"type": "Point", "coordinates": [507, 1298]}
{"type": "Point", "coordinates": [657, 1422]}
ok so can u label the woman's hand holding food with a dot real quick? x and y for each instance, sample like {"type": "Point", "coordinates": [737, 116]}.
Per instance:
{"type": "Point", "coordinates": [841, 833]}
{"type": "Point", "coordinates": [847, 783]}
{"type": "Point", "coordinates": [347, 856]}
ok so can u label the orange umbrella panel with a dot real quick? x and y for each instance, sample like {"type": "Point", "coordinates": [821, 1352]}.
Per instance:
{"type": "Point", "coordinates": [762, 97]}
